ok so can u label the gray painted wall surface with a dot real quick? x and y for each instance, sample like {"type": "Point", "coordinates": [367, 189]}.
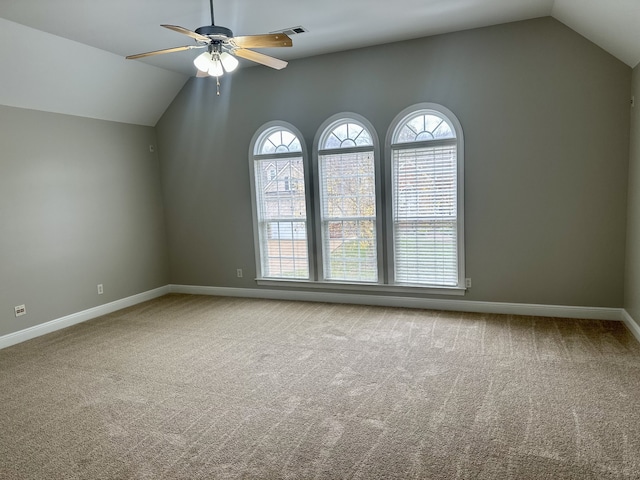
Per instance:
{"type": "Point", "coordinates": [545, 116]}
{"type": "Point", "coordinates": [80, 204]}
{"type": "Point", "coordinates": [632, 277]}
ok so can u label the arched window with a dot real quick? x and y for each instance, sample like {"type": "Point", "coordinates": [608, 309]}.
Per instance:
{"type": "Point", "coordinates": [425, 148]}
{"type": "Point", "coordinates": [277, 159]}
{"type": "Point", "coordinates": [346, 155]}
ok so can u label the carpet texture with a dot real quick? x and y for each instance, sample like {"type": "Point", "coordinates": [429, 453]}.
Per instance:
{"type": "Point", "coordinates": [195, 387]}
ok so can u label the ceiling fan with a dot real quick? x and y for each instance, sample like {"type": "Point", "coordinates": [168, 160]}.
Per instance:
{"type": "Point", "coordinates": [222, 48]}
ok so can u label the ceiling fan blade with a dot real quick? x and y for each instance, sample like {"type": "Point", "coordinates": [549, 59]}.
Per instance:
{"type": "Point", "coordinates": [166, 50]}
{"type": "Point", "coordinates": [260, 58]}
{"type": "Point", "coordinates": [200, 73]}
{"type": "Point", "coordinates": [263, 41]}
{"type": "Point", "coordinates": [188, 33]}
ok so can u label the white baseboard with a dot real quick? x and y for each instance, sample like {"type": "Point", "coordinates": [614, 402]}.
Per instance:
{"type": "Point", "coordinates": [631, 324]}
{"type": "Point", "coordinates": [83, 316]}
{"type": "Point", "coordinates": [591, 313]}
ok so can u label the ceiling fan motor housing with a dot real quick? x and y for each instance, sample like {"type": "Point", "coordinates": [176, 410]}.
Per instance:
{"type": "Point", "coordinates": [215, 32]}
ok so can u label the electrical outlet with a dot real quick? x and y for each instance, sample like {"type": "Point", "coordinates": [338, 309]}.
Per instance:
{"type": "Point", "coordinates": [100, 289]}
{"type": "Point", "coordinates": [239, 273]}
{"type": "Point", "coordinates": [20, 310]}
{"type": "Point", "coordinates": [467, 282]}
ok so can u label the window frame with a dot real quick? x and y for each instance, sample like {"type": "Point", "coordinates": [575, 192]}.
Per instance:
{"type": "Point", "coordinates": [267, 129]}
{"type": "Point", "coordinates": [389, 206]}
{"type": "Point", "coordinates": [323, 131]}
{"type": "Point", "coordinates": [384, 213]}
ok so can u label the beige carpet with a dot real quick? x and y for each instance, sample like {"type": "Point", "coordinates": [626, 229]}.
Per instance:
{"type": "Point", "coordinates": [197, 387]}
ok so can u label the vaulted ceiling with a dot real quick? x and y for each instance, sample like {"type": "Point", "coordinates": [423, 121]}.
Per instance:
{"type": "Point", "coordinates": [109, 30]}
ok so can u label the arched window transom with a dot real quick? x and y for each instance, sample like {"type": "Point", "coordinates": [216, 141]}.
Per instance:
{"type": "Point", "coordinates": [277, 141]}
{"type": "Point", "coordinates": [423, 126]}
{"type": "Point", "coordinates": [345, 134]}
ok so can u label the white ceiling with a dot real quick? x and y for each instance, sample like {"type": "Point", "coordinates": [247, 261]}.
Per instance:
{"type": "Point", "coordinates": [126, 27]}
{"type": "Point", "coordinates": [67, 56]}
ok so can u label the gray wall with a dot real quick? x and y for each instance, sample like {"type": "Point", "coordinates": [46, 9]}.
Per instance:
{"type": "Point", "coordinates": [632, 277]}
{"type": "Point", "coordinates": [80, 204]}
{"type": "Point", "coordinates": [546, 121]}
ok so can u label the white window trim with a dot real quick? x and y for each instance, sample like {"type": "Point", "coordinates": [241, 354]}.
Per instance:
{"type": "Point", "coordinates": [307, 185]}
{"type": "Point", "coordinates": [325, 127]}
{"type": "Point", "coordinates": [460, 186]}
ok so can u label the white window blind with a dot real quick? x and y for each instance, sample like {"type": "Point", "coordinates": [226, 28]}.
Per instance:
{"type": "Point", "coordinates": [348, 216]}
{"type": "Point", "coordinates": [425, 232]}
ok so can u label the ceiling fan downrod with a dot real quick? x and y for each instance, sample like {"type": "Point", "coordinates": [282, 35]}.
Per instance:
{"type": "Point", "coordinates": [213, 31]}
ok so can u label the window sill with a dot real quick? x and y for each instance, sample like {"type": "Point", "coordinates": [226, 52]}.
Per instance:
{"type": "Point", "coordinates": [363, 287]}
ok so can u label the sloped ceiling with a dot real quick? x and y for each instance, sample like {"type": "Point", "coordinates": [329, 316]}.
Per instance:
{"type": "Point", "coordinates": [76, 79]}
{"type": "Point", "coordinates": [614, 25]}
{"type": "Point", "coordinates": [67, 56]}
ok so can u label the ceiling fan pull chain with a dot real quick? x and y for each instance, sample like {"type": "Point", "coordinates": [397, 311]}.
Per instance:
{"type": "Point", "coordinates": [218, 86]}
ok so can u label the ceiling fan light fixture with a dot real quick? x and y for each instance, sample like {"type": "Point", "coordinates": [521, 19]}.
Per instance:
{"type": "Point", "coordinates": [215, 68]}
{"type": "Point", "coordinates": [203, 62]}
{"type": "Point", "coordinates": [229, 62]}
